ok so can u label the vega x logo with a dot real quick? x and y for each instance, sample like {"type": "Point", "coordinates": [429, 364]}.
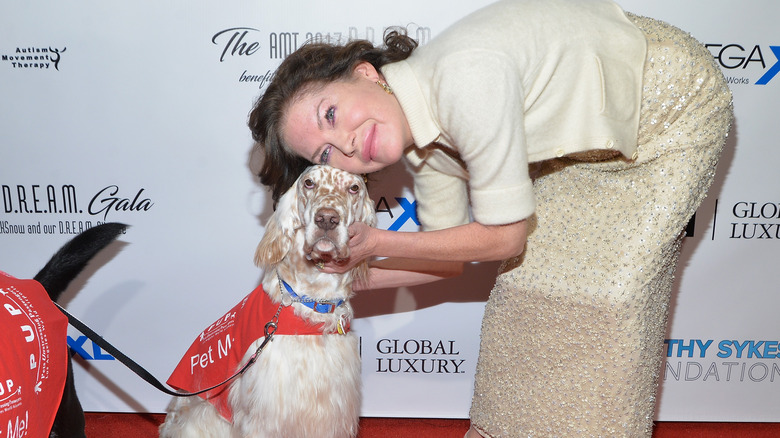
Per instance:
{"type": "Point", "coordinates": [748, 62]}
{"type": "Point", "coordinates": [408, 212]}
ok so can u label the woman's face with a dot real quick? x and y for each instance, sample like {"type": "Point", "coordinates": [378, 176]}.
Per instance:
{"type": "Point", "coordinates": [354, 125]}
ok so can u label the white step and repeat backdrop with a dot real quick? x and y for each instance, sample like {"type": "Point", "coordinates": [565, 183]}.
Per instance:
{"type": "Point", "coordinates": [136, 112]}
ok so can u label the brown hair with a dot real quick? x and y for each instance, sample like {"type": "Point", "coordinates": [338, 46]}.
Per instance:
{"type": "Point", "coordinates": [311, 65]}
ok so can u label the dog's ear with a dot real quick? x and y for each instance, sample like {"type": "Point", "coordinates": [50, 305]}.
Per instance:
{"type": "Point", "coordinates": [360, 272]}
{"type": "Point", "coordinates": [279, 231]}
{"type": "Point", "coordinates": [368, 212]}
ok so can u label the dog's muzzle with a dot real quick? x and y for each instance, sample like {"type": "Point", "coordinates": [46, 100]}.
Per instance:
{"type": "Point", "coordinates": [327, 241]}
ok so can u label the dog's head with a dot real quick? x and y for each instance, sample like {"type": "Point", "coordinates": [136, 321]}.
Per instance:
{"type": "Point", "coordinates": [315, 214]}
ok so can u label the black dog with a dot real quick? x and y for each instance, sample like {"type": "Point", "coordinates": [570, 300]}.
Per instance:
{"type": "Point", "coordinates": [63, 267]}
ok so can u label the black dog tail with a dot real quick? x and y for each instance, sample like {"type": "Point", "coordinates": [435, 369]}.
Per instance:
{"type": "Point", "coordinates": [71, 259]}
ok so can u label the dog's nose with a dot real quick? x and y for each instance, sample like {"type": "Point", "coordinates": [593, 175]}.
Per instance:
{"type": "Point", "coordinates": [326, 218]}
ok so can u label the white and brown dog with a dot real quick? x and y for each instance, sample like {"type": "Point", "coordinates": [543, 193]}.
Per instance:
{"type": "Point", "coordinates": [306, 381]}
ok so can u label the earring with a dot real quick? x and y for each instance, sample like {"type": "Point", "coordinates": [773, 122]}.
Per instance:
{"type": "Point", "coordinates": [385, 87]}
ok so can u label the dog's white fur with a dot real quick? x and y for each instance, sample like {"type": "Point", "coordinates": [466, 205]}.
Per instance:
{"type": "Point", "coordinates": [300, 386]}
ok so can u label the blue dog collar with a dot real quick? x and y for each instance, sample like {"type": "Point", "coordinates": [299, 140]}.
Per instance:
{"type": "Point", "coordinates": [319, 306]}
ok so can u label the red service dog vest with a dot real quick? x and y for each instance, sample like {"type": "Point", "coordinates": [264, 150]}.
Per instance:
{"type": "Point", "coordinates": [33, 358]}
{"type": "Point", "coordinates": [217, 352]}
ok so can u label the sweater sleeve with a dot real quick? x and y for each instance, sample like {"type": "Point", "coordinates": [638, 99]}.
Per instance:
{"type": "Point", "coordinates": [443, 200]}
{"type": "Point", "coordinates": [479, 102]}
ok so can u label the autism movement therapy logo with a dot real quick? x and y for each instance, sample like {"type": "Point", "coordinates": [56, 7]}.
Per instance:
{"type": "Point", "coordinates": [743, 63]}
{"type": "Point", "coordinates": [33, 58]}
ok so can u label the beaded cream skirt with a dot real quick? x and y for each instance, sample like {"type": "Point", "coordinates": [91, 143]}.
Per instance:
{"type": "Point", "coordinates": [573, 332]}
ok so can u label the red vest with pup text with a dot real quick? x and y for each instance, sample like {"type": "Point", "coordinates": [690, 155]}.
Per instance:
{"type": "Point", "coordinates": [217, 352]}
{"type": "Point", "coordinates": [33, 358]}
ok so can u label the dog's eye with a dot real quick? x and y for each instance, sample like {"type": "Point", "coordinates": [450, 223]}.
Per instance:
{"type": "Point", "coordinates": [354, 188]}
{"type": "Point", "coordinates": [308, 183]}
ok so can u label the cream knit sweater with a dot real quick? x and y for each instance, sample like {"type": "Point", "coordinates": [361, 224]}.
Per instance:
{"type": "Point", "coordinates": [516, 82]}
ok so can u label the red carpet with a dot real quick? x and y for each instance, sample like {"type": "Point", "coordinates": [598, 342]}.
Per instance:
{"type": "Point", "coordinates": [145, 426]}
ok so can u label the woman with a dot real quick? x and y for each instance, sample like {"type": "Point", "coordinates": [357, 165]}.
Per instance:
{"type": "Point", "coordinates": [568, 138]}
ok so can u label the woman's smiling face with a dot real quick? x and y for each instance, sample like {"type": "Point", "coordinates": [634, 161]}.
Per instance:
{"type": "Point", "coordinates": [354, 125]}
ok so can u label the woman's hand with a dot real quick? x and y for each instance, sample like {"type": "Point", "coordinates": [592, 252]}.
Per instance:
{"type": "Point", "coordinates": [361, 243]}
{"type": "Point", "coordinates": [360, 248]}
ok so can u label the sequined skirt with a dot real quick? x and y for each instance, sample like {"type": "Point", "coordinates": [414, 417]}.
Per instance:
{"type": "Point", "coordinates": [572, 337]}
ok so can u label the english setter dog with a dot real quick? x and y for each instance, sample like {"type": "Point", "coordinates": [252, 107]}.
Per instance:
{"type": "Point", "coordinates": [306, 381]}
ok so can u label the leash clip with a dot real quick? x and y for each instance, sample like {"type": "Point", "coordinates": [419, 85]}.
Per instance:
{"type": "Point", "coordinates": [270, 329]}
